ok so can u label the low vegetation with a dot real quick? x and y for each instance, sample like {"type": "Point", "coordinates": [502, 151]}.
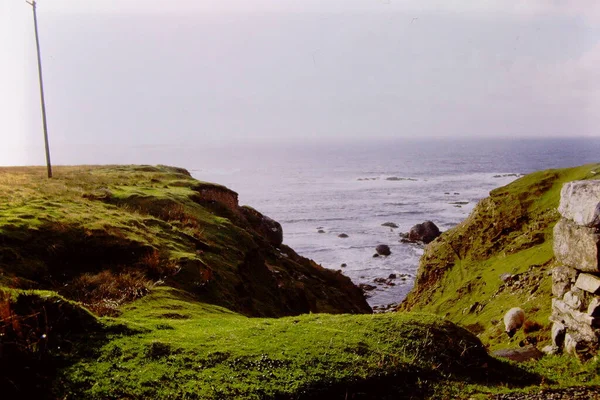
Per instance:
{"type": "Point", "coordinates": [498, 258]}
{"type": "Point", "coordinates": [140, 282]}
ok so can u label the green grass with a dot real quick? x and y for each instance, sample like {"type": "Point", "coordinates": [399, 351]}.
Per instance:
{"type": "Point", "coordinates": [509, 232]}
{"type": "Point", "coordinates": [191, 285]}
{"type": "Point", "coordinates": [155, 223]}
{"type": "Point", "coordinates": [186, 349]}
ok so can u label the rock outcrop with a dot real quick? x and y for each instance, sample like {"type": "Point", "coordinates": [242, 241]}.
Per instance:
{"type": "Point", "coordinates": [576, 282]}
{"type": "Point", "coordinates": [383, 249]}
{"type": "Point", "coordinates": [266, 227]}
{"type": "Point", "coordinates": [425, 232]}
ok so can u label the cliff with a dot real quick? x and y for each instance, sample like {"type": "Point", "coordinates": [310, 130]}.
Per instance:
{"type": "Point", "coordinates": [500, 257]}
{"type": "Point", "coordinates": [105, 235]}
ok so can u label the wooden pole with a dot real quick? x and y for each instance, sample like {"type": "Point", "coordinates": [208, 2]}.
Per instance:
{"type": "Point", "coordinates": [39, 58]}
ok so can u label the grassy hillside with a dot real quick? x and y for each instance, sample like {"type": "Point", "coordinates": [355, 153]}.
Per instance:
{"type": "Point", "coordinates": [498, 258]}
{"type": "Point", "coordinates": [168, 345]}
{"type": "Point", "coordinates": [140, 282]}
{"type": "Point", "coordinates": [105, 235]}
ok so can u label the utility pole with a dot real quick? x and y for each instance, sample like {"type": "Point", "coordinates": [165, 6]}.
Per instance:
{"type": "Point", "coordinates": [39, 58]}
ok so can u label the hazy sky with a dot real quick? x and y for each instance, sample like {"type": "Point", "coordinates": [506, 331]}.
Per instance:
{"type": "Point", "coordinates": [187, 73]}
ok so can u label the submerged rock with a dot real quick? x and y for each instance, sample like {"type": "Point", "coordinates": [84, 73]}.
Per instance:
{"type": "Point", "coordinates": [343, 235]}
{"type": "Point", "coordinates": [365, 287]}
{"type": "Point", "coordinates": [389, 224]}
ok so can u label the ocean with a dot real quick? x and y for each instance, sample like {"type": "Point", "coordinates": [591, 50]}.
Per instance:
{"type": "Point", "coordinates": [353, 188]}
{"type": "Point", "coordinates": [318, 192]}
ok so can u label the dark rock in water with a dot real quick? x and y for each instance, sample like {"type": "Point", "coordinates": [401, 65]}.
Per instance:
{"type": "Point", "coordinates": [383, 249]}
{"type": "Point", "coordinates": [395, 178]}
{"type": "Point", "coordinates": [390, 224]}
{"type": "Point", "coordinates": [425, 232]}
{"type": "Point", "coordinates": [344, 265]}
{"type": "Point", "coordinates": [405, 240]}
{"type": "Point", "coordinates": [321, 231]}
{"type": "Point", "coordinates": [375, 255]}
{"type": "Point", "coordinates": [520, 354]}
{"type": "Point", "coordinates": [379, 280]}
{"type": "Point", "coordinates": [446, 192]}
{"type": "Point", "coordinates": [392, 276]}
{"type": "Point", "coordinates": [403, 235]}
{"type": "Point", "coordinates": [365, 287]}
{"type": "Point", "coordinates": [342, 235]}
{"type": "Point", "coordinates": [319, 227]}
{"type": "Point", "coordinates": [507, 175]}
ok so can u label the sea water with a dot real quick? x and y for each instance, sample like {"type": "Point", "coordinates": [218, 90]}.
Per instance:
{"type": "Point", "coordinates": [353, 187]}
{"type": "Point", "coordinates": [318, 192]}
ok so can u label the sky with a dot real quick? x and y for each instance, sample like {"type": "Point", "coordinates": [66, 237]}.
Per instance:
{"type": "Point", "coordinates": [128, 74]}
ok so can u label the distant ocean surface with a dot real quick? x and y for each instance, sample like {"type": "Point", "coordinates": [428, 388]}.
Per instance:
{"type": "Point", "coordinates": [355, 188]}
{"type": "Point", "coordinates": [344, 188]}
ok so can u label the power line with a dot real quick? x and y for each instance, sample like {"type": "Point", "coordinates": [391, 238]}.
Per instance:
{"type": "Point", "coordinates": [39, 58]}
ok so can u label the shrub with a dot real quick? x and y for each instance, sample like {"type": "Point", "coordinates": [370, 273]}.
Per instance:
{"type": "Point", "coordinates": [105, 291]}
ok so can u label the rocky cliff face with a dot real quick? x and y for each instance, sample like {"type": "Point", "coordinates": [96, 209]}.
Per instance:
{"type": "Point", "coordinates": [576, 281]}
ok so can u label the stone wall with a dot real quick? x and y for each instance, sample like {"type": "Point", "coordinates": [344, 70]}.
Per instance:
{"type": "Point", "coordinates": [576, 281]}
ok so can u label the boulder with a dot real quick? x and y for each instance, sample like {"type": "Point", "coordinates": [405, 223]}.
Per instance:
{"type": "Point", "coordinates": [520, 354]}
{"type": "Point", "coordinates": [576, 246]}
{"type": "Point", "coordinates": [551, 349]}
{"type": "Point", "coordinates": [383, 249]}
{"type": "Point", "coordinates": [580, 345]}
{"type": "Point", "coordinates": [588, 282]}
{"type": "Point", "coordinates": [365, 287]}
{"type": "Point", "coordinates": [343, 235]}
{"type": "Point", "coordinates": [562, 280]}
{"type": "Point", "coordinates": [573, 320]}
{"type": "Point", "coordinates": [580, 202]}
{"type": "Point", "coordinates": [574, 298]}
{"type": "Point", "coordinates": [594, 307]}
{"type": "Point", "coordinates": [425, 232]}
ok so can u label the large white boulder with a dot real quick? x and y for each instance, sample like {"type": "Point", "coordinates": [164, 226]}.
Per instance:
{"type": "Point", "coordinates": [580, 202]}
{"type": "Point", "coordinates": [576, 246]}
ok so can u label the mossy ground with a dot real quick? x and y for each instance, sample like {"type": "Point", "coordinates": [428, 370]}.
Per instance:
{"type": "Point", "coordinates": [168, 345]}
